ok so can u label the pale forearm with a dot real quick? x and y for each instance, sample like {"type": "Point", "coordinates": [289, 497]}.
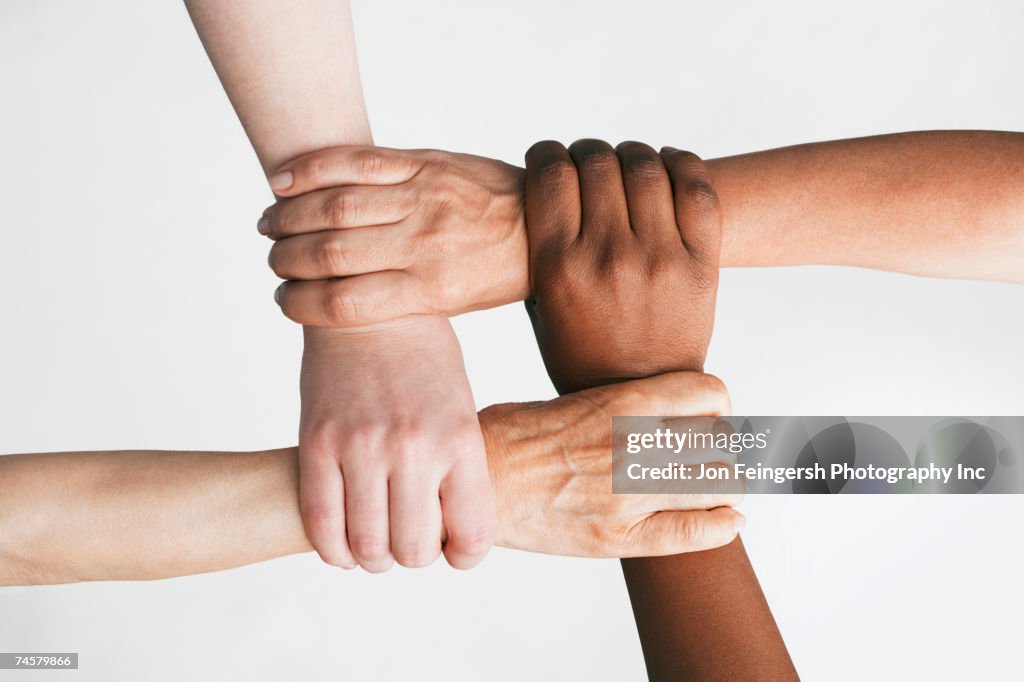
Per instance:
{"type": "Point", "coordinates": [140, 515]}
{"type": "Point", "coordinates": [290, 70]}
{"type": "Point", "coordinates": [941, 204]}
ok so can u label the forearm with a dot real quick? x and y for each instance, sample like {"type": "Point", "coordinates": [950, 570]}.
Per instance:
{"type": "Point", "coordinates": [700, 615]}
{"type": "Point", "coordinates": [136, 515]}
{"type": "Point", "coordinates": [941, 204]}
{"type": "Point", "coordinates": [292, 75]}
{"type": "Point", "coordinates": [290, 71]}
{"type": "Point", "coordinates": [141, 515]}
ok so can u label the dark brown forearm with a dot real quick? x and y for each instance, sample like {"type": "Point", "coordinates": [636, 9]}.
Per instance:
{"type": "Point", "coordinates": [624, 250]}
{"type": "Point", "coordinates": [703, 616]}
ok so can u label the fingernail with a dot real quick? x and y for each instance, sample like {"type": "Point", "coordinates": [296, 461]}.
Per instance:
{"type": "Point", "coordinates": [277, 293]}
{"type": "Point", "coordinates": [739, 522]}
{"type": "Point", "coordinates": [666, 150]}
{"type": "Point", "coordinates": [282, 180]}
{"type": "Point", "coordinates": [263, 225]}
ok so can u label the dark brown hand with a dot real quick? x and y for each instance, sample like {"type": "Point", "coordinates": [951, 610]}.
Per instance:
{"type": "Point", "coordinates": [624, 249]}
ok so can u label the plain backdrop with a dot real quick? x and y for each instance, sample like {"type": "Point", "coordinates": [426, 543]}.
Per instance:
{"type": "Point", "coordinates": [138, 313]}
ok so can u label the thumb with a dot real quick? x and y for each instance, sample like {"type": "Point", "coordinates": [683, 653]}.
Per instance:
{"type": "Point", "coordinates": [678, 532]}
{"type": "Point", "coordinates": [672, 394]}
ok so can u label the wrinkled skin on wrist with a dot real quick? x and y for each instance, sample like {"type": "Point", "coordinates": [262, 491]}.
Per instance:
{"type": "Point", "coordinates": [624, 251]}
{"type": "Point", "coordinates": [552, 474]}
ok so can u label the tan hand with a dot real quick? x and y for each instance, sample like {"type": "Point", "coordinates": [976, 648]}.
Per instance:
{"type": "Point", "coordinates": [368, 234]}
{"type": "Point", "coordinates": [551, 466]}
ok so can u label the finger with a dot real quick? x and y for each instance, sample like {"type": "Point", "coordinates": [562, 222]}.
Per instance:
{"type": "Point", "coordinates": [467, 504]}
{"type": "Point", "coordinates": [341, 253]}
{"type": "Point", "coordinates": [698, 213]}
{"type": "Point", "coordinates": [678, 532]}
{"type": "Point", "coordinates": [366, 510]}
{"type": "Point", "coordinates": [353, 301]}
{"type": "Point", "coordinates": [727, 494]}
{"type": "Point", "coordinates": [350, 165]}
{"type": "Point", "coordinates": [338, 208]}
{"type": "Point", "coordinates": [670, 394]}
{"type": "Point", "coordinates": [552, 199]}
{"type": "Point", "coordinates": [415, 520]}
{"type": "Point", "coordinates": [601, 193]}
{"type": "Point", "coordinates": [648, 193]}
{"type": "Point", "coordinates": [322, 503]}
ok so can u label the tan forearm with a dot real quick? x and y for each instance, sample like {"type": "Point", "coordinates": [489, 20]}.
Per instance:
{"type": "Point", "coordinates": [941, 204]}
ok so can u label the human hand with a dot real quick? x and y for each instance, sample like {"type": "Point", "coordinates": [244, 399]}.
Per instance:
{"type": "Point", "coordinates": [390, 447]}
{"type": "Point", "coordinates": [418, 231]}
{"type": "Point", "coordinates": [552, 471]}
{"type": "Point", "coordinates": [624, 247]}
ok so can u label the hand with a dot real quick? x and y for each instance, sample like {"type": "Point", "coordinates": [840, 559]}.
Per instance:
{"type": "Point", "coordinates": [623, 260]}
{"type": "Point", "coordinates": [418, 231]}
{"type": "Point", "coordinates": [390, 446]}
{"type": "Point", "coordinates": [552, 470]}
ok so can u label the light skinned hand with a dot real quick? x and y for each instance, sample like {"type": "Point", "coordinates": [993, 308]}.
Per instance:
{"type": "Point", "coordinates": [390, 449]}
{"type": "Point", "coordinates": [367, 234]}
{"type": "Point", "coordinates": [551, 465]}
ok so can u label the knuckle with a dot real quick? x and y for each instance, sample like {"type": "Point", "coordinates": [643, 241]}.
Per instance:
{"type": "Point", "coordinates": [367, 437]}
{"type": "Point", "coordinates": [276, 260]}
{"type": "Point", "coordinates": [291, 310]}
{"type": "Point", "coordinates": [689, 530]}
{"type": "Point", "coordinates": [417, 554]}
{"type": "Point", "coordinates": [715, 388]}
{"type": "Point", "coordinates": [620, 267]}
{"type": "Point", "coordinates": [631, 400]}
{"type": "Point", "coordinates": [543, 152]}
{"type": "Point", "coordinates": [340, 309]}
{"type": "Point", "coordinates": [369, 547]}
{"type": "Point", "coordinates": [341, 208]}
{"type": "Point", "coordinates": [368, 163]}
{"type": "Point", "coordinates": [411, 438]}
{"type": "Point", "coordinates": [474, 540]}
{"type": "Point", "coordinates": [280, 219]}
{"type": "Point", "coordinates": [330, 257]}
{"type": "Point", "coordinates": [596, 155]}
{"type": "Point", "coordinates": [436, 165]}
{"type": "Point", "coordinates": [317, 442]}
{"type": "Point", "coordinates": [700, 192]}
{"type": "Point", "coordinates": [320, 519]}
{"type": "Point", "coordinates": [645, 170]}
{"type": "Point", "coordinates": [557, 173]}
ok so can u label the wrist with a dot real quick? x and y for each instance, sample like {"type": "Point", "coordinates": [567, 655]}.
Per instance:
{"type": "Point", "coordinates": [382, 336]}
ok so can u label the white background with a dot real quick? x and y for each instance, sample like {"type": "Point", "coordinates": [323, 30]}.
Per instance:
{"type": "Point", "coordinates": [137, 313]}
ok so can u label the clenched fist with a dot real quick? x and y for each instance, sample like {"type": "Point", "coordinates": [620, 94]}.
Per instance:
{"type": "Point", "coordinates": [624, 247]}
